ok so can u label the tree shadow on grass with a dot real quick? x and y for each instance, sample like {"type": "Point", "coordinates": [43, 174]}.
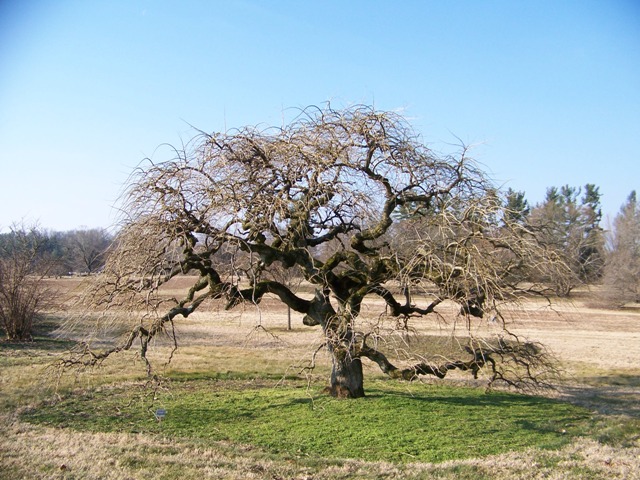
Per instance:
{"type": "Point", "coordinates": [494, 399]}
{"type": "Point", "coordinates": [43, 339]}
{"type": "Point", "coordinates": [607, 395]}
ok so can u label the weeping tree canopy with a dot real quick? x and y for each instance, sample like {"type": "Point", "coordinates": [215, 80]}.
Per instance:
{"type": "Point", "coordinates": [355, 202]}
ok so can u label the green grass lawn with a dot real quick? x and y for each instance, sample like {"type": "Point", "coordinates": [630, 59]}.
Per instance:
{"type": "Point", "coordinates": [396, 422]}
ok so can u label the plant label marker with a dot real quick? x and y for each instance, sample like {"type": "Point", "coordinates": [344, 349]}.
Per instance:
{"type": "Point", "coordinates": [160, 414]}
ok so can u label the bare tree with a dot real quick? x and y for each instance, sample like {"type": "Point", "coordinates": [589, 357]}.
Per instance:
{"type": "Point", "coordinates": [277, 197]}
{"type": "Point", "coordinates": [88, 248]}
{"type": "Point", "coordinates": [622, 268]}
{"type": "Point", "coordinates": [23, 294]}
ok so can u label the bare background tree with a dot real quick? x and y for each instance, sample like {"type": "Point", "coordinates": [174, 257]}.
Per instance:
{"type": "Point", "coordinates": [24, 264]}
{"type": "Point", "coordinates": [354, 201]}
{"type": "Point", "coordinates": [81, 251]}
{"type": "Point", "coordinates": [87, 248]}
{"type": "Point", "coordinates": [622, 270]}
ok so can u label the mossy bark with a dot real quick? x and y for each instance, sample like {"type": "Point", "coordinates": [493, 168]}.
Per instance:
{"type": "Point", "coordinates": [347, 380]}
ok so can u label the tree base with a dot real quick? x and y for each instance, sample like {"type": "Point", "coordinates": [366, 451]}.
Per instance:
{"type": "Point", "coordinates": [340, 391]}
{"type": "Point", "coordinates": [346, 378]}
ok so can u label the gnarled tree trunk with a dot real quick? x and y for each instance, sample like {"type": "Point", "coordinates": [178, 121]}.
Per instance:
{"type": "Point", "coordinates": [347, 380]}
{"type": "Point", "coordinates": [346, 372]}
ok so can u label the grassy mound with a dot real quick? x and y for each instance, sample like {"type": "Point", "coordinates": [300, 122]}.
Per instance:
{"type": "Point", "coordinates": [395, 422]}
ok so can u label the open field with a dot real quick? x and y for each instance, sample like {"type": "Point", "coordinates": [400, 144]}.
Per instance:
{"type": "Point", "coordinates": [50, 426]}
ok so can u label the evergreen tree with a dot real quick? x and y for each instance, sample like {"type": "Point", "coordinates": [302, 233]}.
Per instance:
{"type": "Point", "coordinates": [517, 207]}
{"type": "Point", "coordinates": [570, 225]}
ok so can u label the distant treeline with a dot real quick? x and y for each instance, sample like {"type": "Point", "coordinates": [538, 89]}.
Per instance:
{"type": "Point", "coordinates": [59, 253]}
{"type": "Point", "coordinates": [568, 221]}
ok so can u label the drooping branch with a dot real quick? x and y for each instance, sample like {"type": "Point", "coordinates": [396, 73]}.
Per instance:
{"type": "Point", "coordinates": [479, 360]}
{"type": "Point", "coordinates": [517, 364]}
{"type": "Point", "coordinates": [119, 286]}
{"type": "Point", "coordinates": [85, 356]}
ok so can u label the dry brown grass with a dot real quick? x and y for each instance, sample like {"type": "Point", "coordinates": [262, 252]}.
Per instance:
{"type": "Point", "coordinates": [37, 452]}
{"type": "Point", "coordinates": [599, 350]}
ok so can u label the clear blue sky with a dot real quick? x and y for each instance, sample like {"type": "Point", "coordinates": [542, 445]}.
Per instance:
{"type": "Point", "coordinates": [549, 90]}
